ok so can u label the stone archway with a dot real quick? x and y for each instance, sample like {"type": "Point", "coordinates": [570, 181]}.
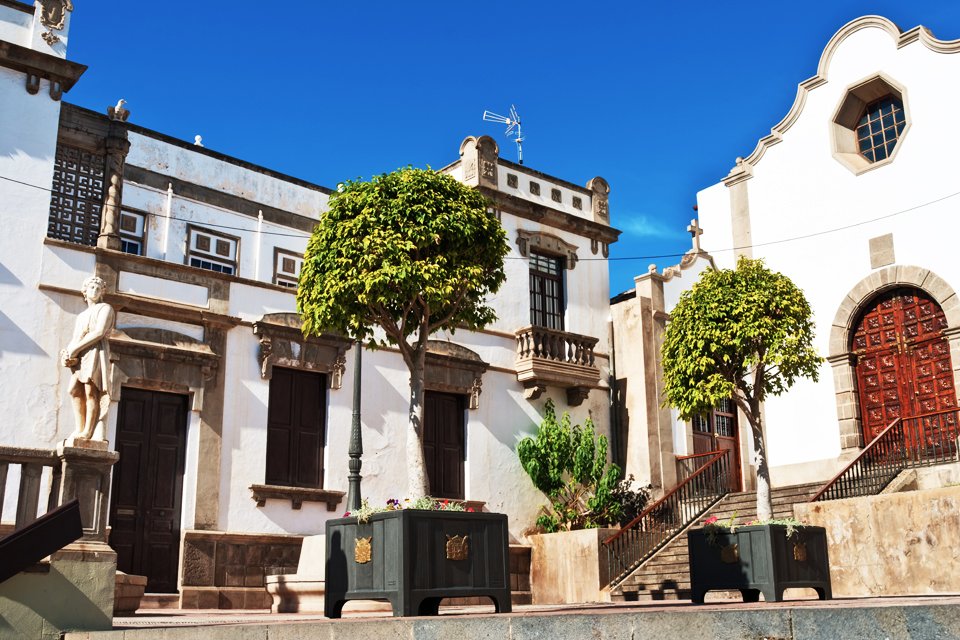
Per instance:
{"type": "Point", "coordinates": [852, 309]}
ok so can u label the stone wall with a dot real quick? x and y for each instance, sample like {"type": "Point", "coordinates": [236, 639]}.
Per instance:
{"type": "Point", "coordinates": [893, 544]}
{"type": "Point", "coordinates": [569, 566]}
{"type": "Point", "coordinates": [228, 570]}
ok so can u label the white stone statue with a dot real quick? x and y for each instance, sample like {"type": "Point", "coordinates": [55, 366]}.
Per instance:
{"type": "Point", "coordinates": [88, 357]}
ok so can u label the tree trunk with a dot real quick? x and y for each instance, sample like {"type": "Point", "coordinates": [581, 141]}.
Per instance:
{"type": "Point", "coordinates": [417, 482]}
{"type": "Point", "coordinates": [764, 500]}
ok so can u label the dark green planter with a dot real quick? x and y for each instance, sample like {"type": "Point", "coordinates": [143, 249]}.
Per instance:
{"type": "Point", "coordinates": [763, 560]}
{"type": "Point", "coordinates": [413, 560]}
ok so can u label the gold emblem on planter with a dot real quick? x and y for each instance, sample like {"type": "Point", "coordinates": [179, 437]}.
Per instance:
{"type": "Point", "coordinates": [457, 547]}
{"type": "Point", "coordinates": [361, 551]}
{"type": "Point", "coordinates": [730, 554]}
{"type": "Point", "coordinates": [799, 552]}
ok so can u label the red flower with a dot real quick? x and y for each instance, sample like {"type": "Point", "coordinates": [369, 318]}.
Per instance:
{"type": "Point", "coordinates": [346, 514]}
{"type": "Point", "coordinates": [711, 520]}
{"type": "Point", "coordinates": [470, 509]}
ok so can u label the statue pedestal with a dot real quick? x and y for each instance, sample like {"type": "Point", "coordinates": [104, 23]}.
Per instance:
{"type": "Point", "coordinates": [84, 474]}
{"type": "Point", "coordinates": [84, 443]}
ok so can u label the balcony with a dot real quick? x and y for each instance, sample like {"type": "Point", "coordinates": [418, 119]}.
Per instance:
{"type": "Point", "coordinates": [548, 357]}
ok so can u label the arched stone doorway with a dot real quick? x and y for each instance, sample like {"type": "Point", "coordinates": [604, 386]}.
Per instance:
{"type": "Point", "coordinates": [903, 365]}
{"type": "Point", "coordinates": [856, 306]}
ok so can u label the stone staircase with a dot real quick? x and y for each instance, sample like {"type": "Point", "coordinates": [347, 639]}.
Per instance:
{"type": "Point", "coordinates": [666, 576]}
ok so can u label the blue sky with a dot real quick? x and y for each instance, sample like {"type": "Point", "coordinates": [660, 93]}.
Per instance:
{"type": "Point", "coordinates": [657, 99]}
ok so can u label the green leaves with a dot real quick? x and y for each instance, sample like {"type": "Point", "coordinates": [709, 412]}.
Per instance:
{"type": "Point", "coordinates": [411, 251]}
{"type": "Point", "coordinates": [746, 332]}
{"type": "Point", "coordinates": [569, 465]}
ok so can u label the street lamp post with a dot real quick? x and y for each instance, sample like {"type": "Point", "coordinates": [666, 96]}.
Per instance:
{"type": "Point", "coordinates": [356, 439]}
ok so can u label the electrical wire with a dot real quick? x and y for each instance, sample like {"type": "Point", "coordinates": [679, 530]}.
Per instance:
{"type": "Point", "coordinates": [617, 259]}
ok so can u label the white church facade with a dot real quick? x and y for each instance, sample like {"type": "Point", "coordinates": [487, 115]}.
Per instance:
{"type": "Point", "coordinates": [853, 196]}
{"type": "Point", "coordinates": [200, 253]}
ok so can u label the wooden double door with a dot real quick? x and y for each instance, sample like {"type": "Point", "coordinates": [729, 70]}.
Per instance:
{"type": "Point", "coordinates": [903, 362]}
{"type": "Point", "coordinates": [147, 490]}
{"type": "Point", "coordinates": [719, 431]}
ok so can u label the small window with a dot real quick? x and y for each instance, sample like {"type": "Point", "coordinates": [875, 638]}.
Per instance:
{"type": "Point", "coordinates": [555, 195]}
{"type": "Point", "coordinates": [577, 202]}
{"type": "Point", "coordinates": [512, 180]}
{"type": "Point", "coordinates": [212, 251]}
{"type": "Point", "coordinates": [534, 188]}
{"type": "Point", "coordinates": [546, 291]}
{"type": "Point", "coordinates": [286, 268]}
{"type": "Point", "coordinates": [880, 127]}
{"type": "Point", "coordinates": [131, 232]}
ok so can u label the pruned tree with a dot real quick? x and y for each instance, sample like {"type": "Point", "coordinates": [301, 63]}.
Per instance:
{"type": "Point", "coordinates": [745, 334]}
{"type": "Point", "coordinates": [409, 253]}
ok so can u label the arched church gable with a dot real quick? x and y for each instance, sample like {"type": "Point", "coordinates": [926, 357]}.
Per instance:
{"type": "Point", "coordinates": [934, 297]}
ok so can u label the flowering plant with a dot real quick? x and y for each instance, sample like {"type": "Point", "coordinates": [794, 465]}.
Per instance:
{"type": "Point", "coordinates": [425, 503]}
{"type": "Point", "coordinates": [713, 526]}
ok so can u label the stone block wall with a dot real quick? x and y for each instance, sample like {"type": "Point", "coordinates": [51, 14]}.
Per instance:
{"type": "Point", "coordinates": [224, 570]}
{"type": "Point", "coordinates": [900, 544]}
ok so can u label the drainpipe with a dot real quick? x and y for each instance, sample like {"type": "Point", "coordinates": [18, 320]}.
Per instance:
{"type": "Point", "coordinates": [168, 213]}
{"type": "Point", "coordinates": [256, 272]}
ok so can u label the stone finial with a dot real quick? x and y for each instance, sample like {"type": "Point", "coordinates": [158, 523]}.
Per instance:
{"type": "Point", "coordinates": [198, 141]}
{"type": "Point", "coordinates": [117, 112]}
{"type": "Point", "coordinates": [479, 159]}
{"type": "Point", "coordinates": [600, 199]}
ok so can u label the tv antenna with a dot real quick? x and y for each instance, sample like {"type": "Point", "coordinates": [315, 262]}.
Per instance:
{"type": "Point", "coordinates": [513, 127]}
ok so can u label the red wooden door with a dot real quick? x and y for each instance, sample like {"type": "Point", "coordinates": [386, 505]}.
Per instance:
{"type": "Point", "coordinates": [147, 488]}
{"type": "Point", "coordinates": [903, 360]}
{"type": "Point", "coordinates": [443, 443]}
{"type": "Point", "coordinates": [719, 431]}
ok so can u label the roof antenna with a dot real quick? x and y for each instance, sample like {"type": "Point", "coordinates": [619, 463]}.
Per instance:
{"type": "Point", "coordinates": [513, 127]}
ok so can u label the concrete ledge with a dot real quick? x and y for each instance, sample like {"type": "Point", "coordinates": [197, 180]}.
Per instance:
{"type": "Point", "coordinates": [849, 619]}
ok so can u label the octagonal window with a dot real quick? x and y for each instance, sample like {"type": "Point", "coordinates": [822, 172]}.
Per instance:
{"type": "Point", "coordinates": [880, 127]}
{"type": "Point", "coordinates": [870, 123]}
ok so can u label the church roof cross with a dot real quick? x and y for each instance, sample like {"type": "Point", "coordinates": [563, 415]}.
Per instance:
{"type": "Point", "coordinates": [695, 231]}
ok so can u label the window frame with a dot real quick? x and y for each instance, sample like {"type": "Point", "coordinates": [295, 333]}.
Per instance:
{"type": "Point", "coordinates": [540, 294]}
{"type": "Point", "coordinates": [126, 236]}
{"type": "Point", "coordinates": [281, 279]}
{"type": "Point", "coordinates": [211, 256]}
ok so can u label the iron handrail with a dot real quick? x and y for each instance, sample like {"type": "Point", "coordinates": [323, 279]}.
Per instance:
{"type": "Point", "coordinates": [914, 441]}
{"type": "Point", "coordinates": [664, 519]}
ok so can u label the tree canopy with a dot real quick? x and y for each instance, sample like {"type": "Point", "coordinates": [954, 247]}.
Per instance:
{"type": "Point", "coordinates": [744, 333]}
{"type": "Point", "coordinates": [411, 252]}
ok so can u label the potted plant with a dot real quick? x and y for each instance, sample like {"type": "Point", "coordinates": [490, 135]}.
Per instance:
{"type": "Point", "coordinates": [414, 554]}
{"type": "Point", "coordinates": [756, 558]}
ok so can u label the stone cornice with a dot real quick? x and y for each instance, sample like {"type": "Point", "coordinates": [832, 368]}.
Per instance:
{"type": "Point", "coordinates": [551, 217]}
{"type": "Point", "coordinates": [62, 74]}
{"type": "Point", "coordinates": [743, 170]}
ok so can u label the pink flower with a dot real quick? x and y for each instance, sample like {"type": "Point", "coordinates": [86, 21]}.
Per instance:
{"type": "Point", "coordinates": [711, 520]}
{"type": "Point", "coordinates": [470, 509]}
{"type": "Point", "coordinates": [346, 514]}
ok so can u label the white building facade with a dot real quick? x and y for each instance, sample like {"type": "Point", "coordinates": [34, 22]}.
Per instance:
{"type": "Point", "coordinates": [232, 427]}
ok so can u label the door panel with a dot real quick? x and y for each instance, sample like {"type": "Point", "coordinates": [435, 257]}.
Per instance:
{"type": "Point", "coordinates": [148, 486]}
{"type": "Point", "coordinates": [443, 444]}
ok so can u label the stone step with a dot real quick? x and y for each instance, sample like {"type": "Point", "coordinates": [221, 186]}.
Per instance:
{"type": "Point", "coordinates": [160, 601]}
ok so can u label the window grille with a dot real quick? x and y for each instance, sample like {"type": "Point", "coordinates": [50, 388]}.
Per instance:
{"type": "Point", "coordinates": [76, 199]}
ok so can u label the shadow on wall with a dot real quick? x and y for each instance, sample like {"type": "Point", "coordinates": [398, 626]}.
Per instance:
{"type": "Point", "coordinates": [14, 340]}
{"type": "Point", "coordinates": [7, 277]}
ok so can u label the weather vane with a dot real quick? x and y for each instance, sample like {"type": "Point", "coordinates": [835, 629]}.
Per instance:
{"type": "Point", "coordinates": [513, 126]}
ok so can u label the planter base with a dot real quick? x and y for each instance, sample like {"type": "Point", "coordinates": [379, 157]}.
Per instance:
{"type": "Point", "coordinates": [759, 559]}
{"type": "Point", "coordinates": [414, 559]}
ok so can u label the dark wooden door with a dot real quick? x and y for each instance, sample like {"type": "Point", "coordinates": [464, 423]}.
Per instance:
{"type": "Point", "coordinates": [903, 360]}
{"type": "Point", "coordinates": [443, 443]}
{"type": "Point", "coordinates": [295, 428]}
{"type": "Point", "coordinates": [147, 488]}
{"type": "Point", "coordinates": [719, 431]}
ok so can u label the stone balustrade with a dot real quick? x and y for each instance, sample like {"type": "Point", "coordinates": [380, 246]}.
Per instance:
{"type": "Point", "coordinates": [31, 463]}
{"type": "Point", "coordinates": [548, 357]}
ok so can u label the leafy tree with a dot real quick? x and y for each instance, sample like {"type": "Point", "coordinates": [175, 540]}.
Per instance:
{"type": "Point", "coordinates": [409, 253]}
{"type": "Point", "coordinates": [569, 465]}
{"type": "Point", "coordinates": [742, 333]}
